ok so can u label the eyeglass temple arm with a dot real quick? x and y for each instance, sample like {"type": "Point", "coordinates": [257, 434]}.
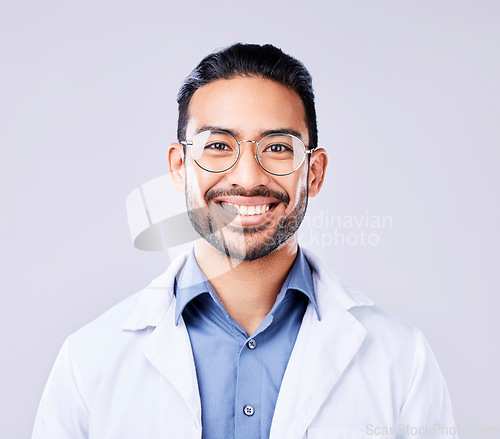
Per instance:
{"type": "Point", "coordinates": [310, 151]}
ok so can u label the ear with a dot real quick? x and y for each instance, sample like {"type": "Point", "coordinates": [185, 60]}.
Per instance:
{"type": "Point", "coordinates": [317, 169]}
{"type": "Point", "coordinates": [176, 164]}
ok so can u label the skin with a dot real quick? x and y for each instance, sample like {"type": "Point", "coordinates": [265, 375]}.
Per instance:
{"type": "Point", "coordinates": [247, 106]}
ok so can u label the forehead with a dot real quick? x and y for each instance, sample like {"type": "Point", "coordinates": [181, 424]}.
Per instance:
{"type": "Point", "coordinates": [248, 106]}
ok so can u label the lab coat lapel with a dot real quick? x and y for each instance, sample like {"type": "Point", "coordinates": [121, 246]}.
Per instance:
{"type": "Point", "coordinates": [322, 352]}
{"type": "Point", "coordinates": [168, 347]}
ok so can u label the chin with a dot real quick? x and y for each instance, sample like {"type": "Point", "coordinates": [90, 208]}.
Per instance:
{"type": "Point", "coordinates": [249, 245]}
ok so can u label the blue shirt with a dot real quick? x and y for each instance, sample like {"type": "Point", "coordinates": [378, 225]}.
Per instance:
{"type": "Point", "coordinates": [239, 377]}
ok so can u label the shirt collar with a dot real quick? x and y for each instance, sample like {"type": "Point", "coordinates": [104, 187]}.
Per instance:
{"type": "Point", "coordinates": [191, 282]}
{"type": "Point", "coordinates": [301, 279]}
{"type": "Point", "coordinates": [151, 304]}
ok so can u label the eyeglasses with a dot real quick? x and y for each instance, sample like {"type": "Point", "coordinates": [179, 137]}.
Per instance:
{"type": "Point", "coordinates": [277, 153]}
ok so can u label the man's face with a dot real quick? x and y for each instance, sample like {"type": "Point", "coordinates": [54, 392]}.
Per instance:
{"type": "Point", "coordinates": [247, 107]}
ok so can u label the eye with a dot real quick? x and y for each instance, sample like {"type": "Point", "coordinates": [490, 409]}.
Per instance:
{"type": "Point", "coordinates": [278, 148]}
{"type": "Point", "coordinates": [218, 146]}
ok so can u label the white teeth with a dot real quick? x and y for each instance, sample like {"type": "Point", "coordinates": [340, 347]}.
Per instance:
{"type": "Point", "coordinates": [246, 210]}
{"type": "Point", "coordinates": [243, 210]}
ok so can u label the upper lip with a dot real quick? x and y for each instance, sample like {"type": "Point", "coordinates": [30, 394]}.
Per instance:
{"type": "Point", "coordinates": [245, 201]}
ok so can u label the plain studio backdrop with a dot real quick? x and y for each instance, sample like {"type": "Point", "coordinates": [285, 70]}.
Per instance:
{"type": "Point", "coordinates": [408, 101]}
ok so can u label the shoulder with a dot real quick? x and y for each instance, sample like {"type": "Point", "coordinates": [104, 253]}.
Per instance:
{"type": "Point", "coordinates": [392, 350]}
{"type": "Point", "coordinates": [382, 327]}
{"type": "Point", "coordinates": [102, 341]}
{"type": "Point", "coordinates": [109, 323]}
{"type": "Point", "coordinates": [388, 333]}
{"type": "Point", "coordinates": [141, 311]}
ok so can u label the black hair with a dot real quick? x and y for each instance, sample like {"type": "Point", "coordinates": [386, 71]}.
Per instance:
{"type": "Point", "coordinates": [240, 59]}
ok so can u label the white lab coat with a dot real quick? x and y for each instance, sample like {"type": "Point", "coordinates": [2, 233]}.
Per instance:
{"type": "Point", "coordinates": [356, 373]}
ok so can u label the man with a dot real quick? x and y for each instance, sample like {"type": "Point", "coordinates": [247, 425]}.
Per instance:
{"type": "Point", "coordinates": [247, 335]}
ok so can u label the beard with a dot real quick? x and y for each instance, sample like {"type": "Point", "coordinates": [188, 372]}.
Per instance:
{"type": "Point", "coordinates": [245, 243]}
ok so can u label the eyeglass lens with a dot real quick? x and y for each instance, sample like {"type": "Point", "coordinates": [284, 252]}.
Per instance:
{"type": "Point", "coordinates": [278, 154]}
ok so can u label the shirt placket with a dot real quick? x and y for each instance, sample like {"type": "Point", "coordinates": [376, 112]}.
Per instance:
{"type": "Point", "coordinates": [248, 398]}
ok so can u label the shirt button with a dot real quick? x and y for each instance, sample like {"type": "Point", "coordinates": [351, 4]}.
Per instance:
{"type": "Point", "coordinates": [248, 410]}
{"type": "Point", "coordinates": [251, 344]}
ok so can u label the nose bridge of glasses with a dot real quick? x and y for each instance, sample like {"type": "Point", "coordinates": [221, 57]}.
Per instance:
{"type": "Point", "coordinates": [248, 141]}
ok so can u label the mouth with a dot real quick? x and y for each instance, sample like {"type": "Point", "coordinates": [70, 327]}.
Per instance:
{"type": "Point", "coordinates": [247, 210]}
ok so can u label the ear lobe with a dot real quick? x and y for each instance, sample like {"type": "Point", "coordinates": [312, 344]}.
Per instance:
{"type": "Point", "coordinates": [176, 166]}
{"type": "Point", "coordinates": [317, 170]}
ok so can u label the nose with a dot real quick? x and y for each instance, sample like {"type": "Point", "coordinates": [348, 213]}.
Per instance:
{"type": "Point", "coordinates": [247, 172]}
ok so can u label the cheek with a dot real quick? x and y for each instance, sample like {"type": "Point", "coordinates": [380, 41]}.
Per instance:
{"type": "Point", "coordinates": [297, 187]}
{"type": "Point", "coordinates": [198, 183]}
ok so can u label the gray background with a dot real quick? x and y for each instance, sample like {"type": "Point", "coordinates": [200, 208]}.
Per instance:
{"type": "Point", "coordinates": [408, 101]}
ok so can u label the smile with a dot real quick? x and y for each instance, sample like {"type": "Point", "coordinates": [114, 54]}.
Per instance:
{"type": "Point", "coordinates": [245, 210]}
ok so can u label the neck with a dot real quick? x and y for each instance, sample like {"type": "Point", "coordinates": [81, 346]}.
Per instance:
{"type": "Point", "coordinates": [248, 289]}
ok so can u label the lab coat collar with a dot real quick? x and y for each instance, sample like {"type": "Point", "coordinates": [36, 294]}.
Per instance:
{"type": "Point", "coordinates": [347, 296]}
{"type": "Point", "coordinates": [156, 298]}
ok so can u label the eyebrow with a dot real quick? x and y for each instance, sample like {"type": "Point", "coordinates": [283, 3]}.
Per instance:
{"type": "Point", "coordinates": [262, 134]}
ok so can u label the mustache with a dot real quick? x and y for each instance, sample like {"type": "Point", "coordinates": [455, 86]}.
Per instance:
{"type": "Point", "coordinates": [257, 192]}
